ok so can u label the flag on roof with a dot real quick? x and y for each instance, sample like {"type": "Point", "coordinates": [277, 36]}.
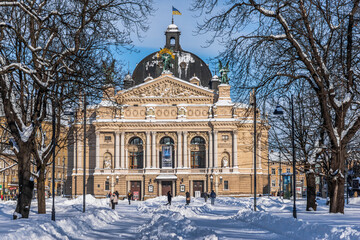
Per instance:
{"type": "Point", "coordinates": [175, 11]}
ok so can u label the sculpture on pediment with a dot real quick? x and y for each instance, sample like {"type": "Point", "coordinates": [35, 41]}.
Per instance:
{"type": "Point", "coordinates": [167, 56]}
{"type": "Point", "coordinates": [224, 73]}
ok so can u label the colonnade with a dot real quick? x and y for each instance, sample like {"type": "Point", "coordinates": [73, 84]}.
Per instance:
{"type": "Point", "coordinates": [182, 158]}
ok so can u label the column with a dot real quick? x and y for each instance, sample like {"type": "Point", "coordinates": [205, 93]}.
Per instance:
{"type": "Point", "coordinates": [148, 150]}
{"type": "Point", "coordinates": [210, 147]}
{"type": "Point", "coordinates": [215, 149]}
{"type": "Point", "coordinates": [117, 150]}
{"type": "Point", "coordinates": [185, 150]}
{"type": "Point", "coordinates": [235, 159]}
{"type": "Point", "coordinates": [97, 150]}
{"type": "Point", "coordinates": [75, 150]}
{"type": "Point", "coordinates": [122, 150]}
{"type": "Point", "coordinates": [153, 150]}
{"type": "Point", "coordinates": [179, 149]}
{"type": "Point", "coordinates": [126, 159]}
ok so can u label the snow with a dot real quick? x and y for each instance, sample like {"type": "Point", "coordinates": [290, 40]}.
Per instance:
{"type": "Point", "coordinates": [229, 218]}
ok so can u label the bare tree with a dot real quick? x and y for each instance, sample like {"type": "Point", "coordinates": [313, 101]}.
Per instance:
{"type": "Point", "coordinates": [45, 49]}
{"type": "Point", "coordinates": [272, 44]}
{"type": "Point", "coordinates": [307, 127]}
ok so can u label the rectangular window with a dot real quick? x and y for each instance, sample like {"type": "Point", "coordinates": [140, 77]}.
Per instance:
{"type": "Point", "coordinates": [107, 185]}
{"type": "Point", "coordinates": [226, 185]}
{"type": "Point", "coordinates": [197, 159]}
{"type": "Point", "coordinates": [136, 160]}
{"type": "Point", "coordinates": [273, 171]}
{"type": "Point", "coordinates": [288, 170]}
{"type": "Point", "coordinates": [273, 183]}
{"type": "Point", "coordinates": [280, 171]}
{"type": "Point", "coordinates": [107, 138]}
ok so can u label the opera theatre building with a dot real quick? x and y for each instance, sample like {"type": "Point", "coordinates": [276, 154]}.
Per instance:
{"type": "Point", "coordinates": [173, 127]}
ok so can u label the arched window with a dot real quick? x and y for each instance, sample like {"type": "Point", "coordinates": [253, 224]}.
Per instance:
{"type": "Point", "coordinates": [135, 149]}
{"type": "Point", "coordinates": [172, 41]}
{"type": "Point", "coordinates": [198, 152]}
{"type": "Point", "coordinates": [167, 141]}
{"type": "Point", "coordinates": [166, 153]}
{"type": "Point", "coordinates": [197, 140]}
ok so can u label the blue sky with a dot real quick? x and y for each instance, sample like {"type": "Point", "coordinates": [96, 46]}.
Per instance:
{"type": "Point", "coordinates": [154, 38]}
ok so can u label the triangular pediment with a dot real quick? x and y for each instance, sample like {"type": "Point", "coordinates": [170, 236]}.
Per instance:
{"type": "Point", "coordinates": [167, 89]}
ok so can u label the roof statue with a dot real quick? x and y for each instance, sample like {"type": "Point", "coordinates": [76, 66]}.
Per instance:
{"type": "Point", "coordinates": [224, 73]}
{"type": "Point", "coordinates": [166, 56]}
{"type": "Point", "coordinates": [108, 71]}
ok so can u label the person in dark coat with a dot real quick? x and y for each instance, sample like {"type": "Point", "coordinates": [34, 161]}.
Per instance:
{"type": "Point", "coordinates": [187, 198]}
{"type": "Point", "coordinates": [129, 196]}
{"type": "Point", "coordinates": [212, 196]}
{"type": "Point", "coordinates": [169, 196]}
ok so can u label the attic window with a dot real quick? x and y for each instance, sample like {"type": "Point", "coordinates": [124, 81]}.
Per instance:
{"type": "Point", "coordinates": [107, 138]}
{"type": "Point", "coordinates": [136, 105]}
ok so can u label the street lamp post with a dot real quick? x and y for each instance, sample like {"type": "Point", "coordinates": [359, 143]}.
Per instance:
{"type": "Point", "coordinates": [253, 103]}
{"type": "Point", "coordinates": [279, 111]}
{"type": "Point", "coordinates": [211, 182]}
{"type": "Point", "coordinates": [84, 170]}
{"type": "Point", "coordinates": [53, 165]}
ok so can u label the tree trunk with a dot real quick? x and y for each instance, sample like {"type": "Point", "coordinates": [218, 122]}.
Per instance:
{"type": "Point", "coordinates": [26, 186]}
{"type": "Point", "coordinates": [336, 183]}
{"type": "Point", "coordinates": [311, 191]}
{"type": "Point", "coordinates": [41, 192]}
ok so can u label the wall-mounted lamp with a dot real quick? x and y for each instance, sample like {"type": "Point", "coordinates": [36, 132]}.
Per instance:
{"type": "Point", "coordinates": [211, 178]}
{"type": "Point", "coordinates": [117, 179]}
{"type": "Point", "coordinates": [221, 179]}
{"type": "Point", "coordinates": [149, 180]}
{"type": "Point", "coordinates": [107, 177]}
{"type": "Point", "coordinates": [182, 180]}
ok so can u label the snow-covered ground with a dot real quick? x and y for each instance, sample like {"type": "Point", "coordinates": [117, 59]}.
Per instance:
{"type": "Point", "coordinates": [229, 218]}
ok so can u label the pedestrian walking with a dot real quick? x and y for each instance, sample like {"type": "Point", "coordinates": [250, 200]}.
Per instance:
{"type": "Point", "coordinates": [116, 199]}
{"type": "Point", "coordinates": [205, 196]}
{"type": "Point", "coordinates": [112, 200]}
{"type": "Point", "coordinates": [117, 194]}
{"type": "Point", "coordinates": [169, 196]}
{"type": "Point", "coordinates": [212, 196]}
{"type": "Point", "coordinates": [129, 196]}
{"type": "Point", "coordinates": [187, 198]}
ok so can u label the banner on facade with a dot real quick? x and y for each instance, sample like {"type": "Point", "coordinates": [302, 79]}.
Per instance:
{"type": "Point", "coordinates": [167, 156]}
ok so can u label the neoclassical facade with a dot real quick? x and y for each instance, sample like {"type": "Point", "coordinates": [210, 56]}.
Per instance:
{"type": "Point", "coordinates": [170, 134]}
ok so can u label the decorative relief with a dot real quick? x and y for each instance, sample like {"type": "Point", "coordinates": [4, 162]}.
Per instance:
{"type": "Point", "coordinates": [173, 112]}
{"type": "Point", "coordinates": [204, 113]}
{"type": "Point", "coordinates": [197, 112]}
{"type": "Point", "coordinates": [165, 89]}
{"type": "Point", "coordinates": [158, 112]}
{"type": "Point", "coordinates": [127, 113]}
{"type": "Point", "coordinates": [190, 112]}
{"type": "Point", "coordinates": [142, 112]}
{"type": "Point", "coordinates": [182, 112]}
{"type": "Point", "coordinates": [135, 113]}
{"type": "Point", "coordinates": [166, 113]}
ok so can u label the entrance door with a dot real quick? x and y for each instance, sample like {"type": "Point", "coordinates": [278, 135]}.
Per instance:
{"type": "Point", "coordinates": [166, 186]}
{"type": "Point", "coordinates": [198, 188]}
{"type": "Point", "coordinates": [135, 188]}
